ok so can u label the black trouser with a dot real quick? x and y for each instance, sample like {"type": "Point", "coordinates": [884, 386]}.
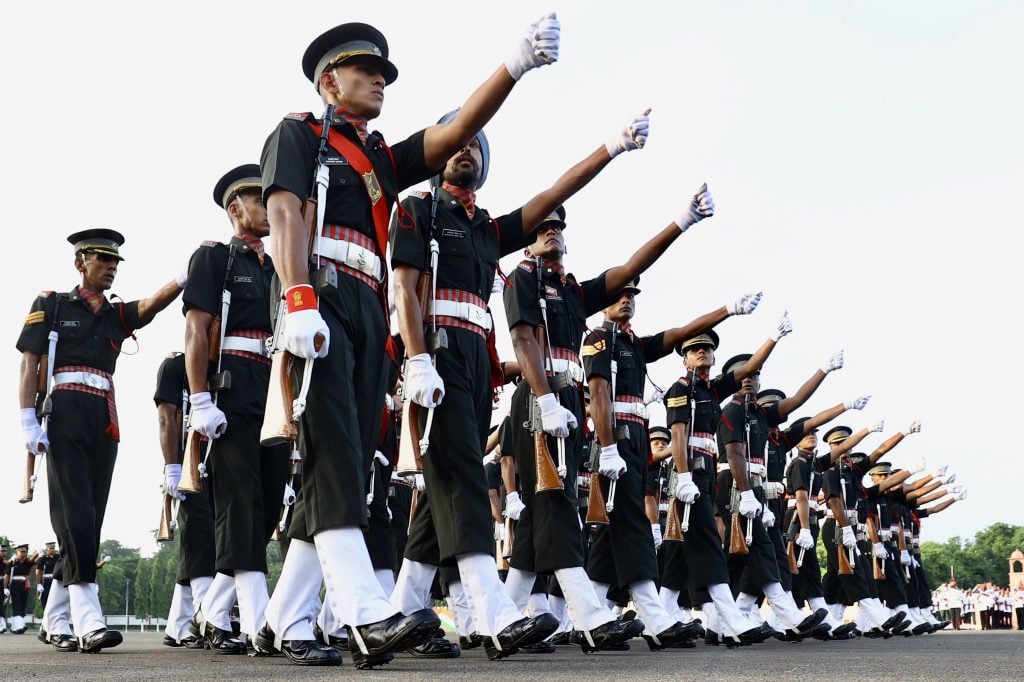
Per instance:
{"type": "Point", "coordinates": [623, 551]}
{"type": "Point", "coordinates": [893, 588]}
{"type": "Point", "coordinates": [80, 467]}
{"type": "Point", "coordinates": [46, 591]}
{"type": "Point", "coordinates": [548, 534]}
{"type": "Point", "coordinates": [19, 597]}
{"type": "Point", "coordinates": [341, 424]}
{"type": "Point", "coordinates": [781, 555]}
{"type": "Point", "coordinates": [380, 541]}
{"type": "Point", "coordinates": [750, 572]}
{"type": "Point", "coordinates": [196, 543]}
{"type": "Point", "coordinates": [839, 589]}
{"type": "Point", "coordinates": [807, 580]}
{"type": "Point", "coordinates": [399, 502]}
{"type": "Point", "coordinates": [455, 517]}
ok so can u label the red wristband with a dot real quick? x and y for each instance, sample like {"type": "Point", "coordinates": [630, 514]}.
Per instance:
{"type": "Point", "coordinates": [300, 297]}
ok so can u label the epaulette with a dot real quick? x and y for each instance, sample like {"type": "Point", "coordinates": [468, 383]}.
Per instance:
{"type": "Point", "coordinates": [300, 116]}
{"type": "Point", "coordinates": [685, 381]}
{"type": "Point", "coordinates": [174, 354]}
{"type": "Point", "coordinates": [527, 265]}
{"type": "Point", "coordinates": [45, 294]}
{"type": "Point", "coordinates": [420, 194]}
{"type": "Point", "coordinates": [212, 242]}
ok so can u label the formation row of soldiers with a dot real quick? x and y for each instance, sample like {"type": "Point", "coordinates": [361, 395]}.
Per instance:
{"type": "Point", "coordinates": [311, 329]}
{"type": "Point", "coordinates": [18, 571]}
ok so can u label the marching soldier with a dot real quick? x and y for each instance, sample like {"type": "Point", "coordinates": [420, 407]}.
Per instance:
{"type": "Point", "coordinates": [18, 586]}
{"type": "Point", "coordinates": [347, 315]}
{"type": "Point", "coordinates": [196, 540]}
{"type": "Point", "coordinates": [6, 590]}
{"type": "Point", "coordinates": [80, 332]}
{"type": "Point", "coordinates": [470, 243]}
{"type": "Point", "coordinates": [44, 571]}
{"type": "Point", "coordinates": [247, 480]}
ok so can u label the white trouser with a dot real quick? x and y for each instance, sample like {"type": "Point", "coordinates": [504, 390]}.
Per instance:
{"type": "Point", "coordinates": [560, 610]}
{"type": "Point", "coordinates": [669, 599]}
{"type": "Point", "coordinates": [412, 589]}
{"type": "Point", "coordinates": [874, 613]}
{"type": "Point", "coordinates": [86, 615]}
{"type": "Point", "coordinates": [251, 587]}
{"type": "Point", "coordinates": [492, 610]}
{"type": "Point", "coordinates": [199, 587]}
{"type": "Point", "coordinates": [215, 608]}
{"type": "Point", "coordinates": [355, 596]}
{"type": "Point", "coordinates": [783, 605]}
{"type": "Point", "coordinates": [585, 607]}
{"type": "Point", "coordinates": [837, 611]}
{"type": "Point", "coordinates": [386, 578]}
{"type": "Point", "coordinates": [730, 619]}
{"type": "Point", "coordinates": [648, 607]}
{"type": "Point", "coordinates": [288, 611]}
{"type": "Point", "coordinates": [518, 585]}
{"type": "Point", "coordinates": [17, 623]}
{"type": "Point", "coordinates": [819, 603]}
{"type": "Point", "coordinates": [459, 607]}
{"type": "Point", "coordinates": [57, 614]}
{"type": "Point", "coordinates": [180, 613]}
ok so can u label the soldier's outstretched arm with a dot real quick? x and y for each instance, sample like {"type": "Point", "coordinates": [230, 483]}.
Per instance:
{"type": "Point", "coordinates": [795, 401]}
{"type": "Point", "coordinates": [760, 356]}
{"type": "Point", "coordinates": [149, 307]}
{"type": "Point", "coordinates": [538, 46]}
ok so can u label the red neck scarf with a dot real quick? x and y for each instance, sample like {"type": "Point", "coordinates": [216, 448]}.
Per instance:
{"type": "Point", "coordinates": [357, 121]}
{"type": "Point", "coordinates": [466, 197]}
{"type": "Point", "coordinates": [93, 299]}
{"type": "Point", "coordinates": [254, 243]}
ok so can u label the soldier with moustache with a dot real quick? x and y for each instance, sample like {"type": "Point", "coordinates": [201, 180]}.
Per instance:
{"type": "Point", "coordinates": [246, 480]}
{"type": "Point", "coordinates": [45, 566]}
{"type": "Point", "coordinates": [81, 333]}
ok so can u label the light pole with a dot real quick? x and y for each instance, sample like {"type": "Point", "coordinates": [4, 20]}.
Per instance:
{"type": "Point", "coordinates": [126, 605]}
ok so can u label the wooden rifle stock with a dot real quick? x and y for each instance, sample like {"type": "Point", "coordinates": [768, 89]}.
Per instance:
{"type": "Point", "coordinates": [791, 554]}
{"type": "Point", "coordinates": [166, 532]}
{"type": "Point", "coordinates": [737, 539]}
{"type": "Point", "coordinates": [547, 476]}
{"type": "Point", "coordinates": [30, 471]}
{"type": "Point", "coordinates": [673, 526]}
{"type": "Point", "coordinates": [413, 505]}
{"type": "Point", "coordinates": [845, 568]}
{"type": "Point", "coordinates": [596, 514]}
{"type": "Point", "coordinates": [409, 459]}
{"type": "Point", "coordinates": [504, 548]}
{"type": "Point", "coordinates": [278, 427]}
{"type": "Point", "coordinates": [877, 563]}
{"type": "Point", "coordinates": [191, 480]}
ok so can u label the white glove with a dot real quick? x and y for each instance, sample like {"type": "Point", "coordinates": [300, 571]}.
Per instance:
{"type": "Point", "coordinates": [774, 487]}
{"type": "Point", "coordinates": [172, 477]}
{"type": "Point", "coordinates": [745, 304]}
{"type": "Point", "coordinates": [106, 558]}
{"type": "Point", "coordinates": [555, 419]}
{"type": "Point", "coordinates": [289, 495]}
{"type": "Point", "coordinates": [877, 426]}
{"type": "Point", "coordinates": [423, 385]}
{"type": "Point", "coordinates": [539, 46]}
{"type": "Point", "coordinates": [955, 490]}
{"type": "Point", "coordinates": [914, 562]}
{"type": "Point", "coordinates": [378, 456]}
{"type": "Point", "coordinates": [39, 588]}
{"type": "Point", "coordinates": [181, 278]}
{"type": "Point", "coordinates": [767, 517]}
{"type": "Point", "coordinates": [918, 466]}
{"type": "Point", "coordinates": [499, 532]}
{"type": "Point", "coordinates": [833, 363]}
{"type": "Point", "coordinates": [749, 506]}
{"type": "Point", "coordinates": [513, 506]}
{"type": "Point", "coordinates": [858, 403]}
{"type": "Point", "coordinates": [656, 532]}
{"type": "Point", "coordinates": [878, 550]}
{"type": "Point", "coordinates": [905, 557]}
{"type": "Point", "coordinates": [633, 136]}
{"type": "Point", "coordinates": [941, 471]}
{"type": "Point", "coordinates": [303, 323]}
{"type": "Point", "coordinates": [611, 465]}
{"type": "Point", "coordinates": [950, 479]}
{"type": "Point", "coordinates": [686, 490]}
{"type": "Point", "coordinates": [36, 441]}
{"type": "Point", "coordinates": [915, 427]}
{"type": "Point", "coordinates": [805, 540]}
{"type": "Point", "coordinates": [654, 395]}
{"type": "Point", "coordinates": [962, 495]}
{"type": "Point", "coordinates": [419, 482]}
{"type": "Point", "coordinates": [849, 537]}
{"type": "Point", "coordinates": [205, 417]}
{"type": "Point", "coordinates": [701, 206]}
{"type": "Point", "coordinates": [784, 328]}
{"type": "Point", "coordinates": [7, 592]}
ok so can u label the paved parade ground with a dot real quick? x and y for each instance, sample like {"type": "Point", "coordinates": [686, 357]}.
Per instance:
{"type": "Point", "coordinates": [938, 657]}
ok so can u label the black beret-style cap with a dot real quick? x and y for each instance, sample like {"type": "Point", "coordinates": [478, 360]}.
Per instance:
{"type": "Point", "coordinates": [347, 41]}
{"type": "Point", "coordinates": [708, 338]}
{"type": "Point", "coordinates": [656, 432]}
{"type": "Point", "coordinates": [99, 240]}
{"type": "Point", "coordinates": [631, 287]}
{"type": "Point", "coordinates": [735, 362]}
{"type": "Point", "coordinates": [837, 434]}
{"type": "Point", "coordinates": [881, 468]}
{"type": "Point", "coordinates": [244, 177]}
{"type": "Point", "coordinates": [769, 396]}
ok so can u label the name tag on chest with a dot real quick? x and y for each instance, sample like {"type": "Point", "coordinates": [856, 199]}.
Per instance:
{"type": "Point", "coordinates": [70, 323]}
{"type": "Point", "coordinates": [243, 279]}
{"type": "Point", "coordinates": [452, 233]}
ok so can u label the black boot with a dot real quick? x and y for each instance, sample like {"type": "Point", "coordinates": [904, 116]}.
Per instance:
{"type": "Point", "coordinates": [436, 647]}
{"type": "Point", "coordinates": [64, 643]}
{"type": "Point", "coordinates": [222, 641]}
{"type": "Point", "coordinates": [519, 634]}
{"type": "Point", "coordinates": [612, 632]}
{"type": "Point", "coordinates": [97, 640]}
{"type": "Point", "coordinates": [678, 632]}
{"type": "Point", "coordinates": [372, 644]}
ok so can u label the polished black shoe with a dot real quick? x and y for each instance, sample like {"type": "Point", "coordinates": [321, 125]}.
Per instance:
{"type": "Point", "coordinates": [97, 640]}
{"type": "Point", "coordinates": [612, 632]}
{"type": "Point", "coordinates": [560, 639]}
{"type": "Point", "coordinates": [894, 621]}
{"type": "Point", "coordinates": [309, 652]}
{"type": "Point", "coordinates": [690, 643]}
{"type": "Point", "coordinates": [808, 624]}
{"type": "Point", "coordinates": [618, 646]}
{"type": "Point", "coordinates": [538, 648]}
{"type": "Point", "coordinates": [711, 637]}
{"type": "Point", "coordinates": [193, 626]}
{"type": "Point", "coordinates": [877, 633]}
{"type": "Point", "coordinates": [922, 629]}
{"type": "Point", "coordinates": [678, 632]}
{"type": "Point", "coordinates": [171, 642]}
{"type": "Point", "coordinates": [339, 644]}
{"type": "Point", "coordinates": [65, 644]}
{"type": "Point", "coordinates": [41, 636]}
{"type": "Point", "coordinates": [436, 647]}
{"type": "Point", "coordinates": [844, 631]}
{"type": "Point", "coordinates": [902, 628]}
{"type": "Point", "coordinates": [18, 632]}
{"type": "Point", "coordinates": [397, 633]}
{"type": "Point", "coordinates": [192, 642]}
{"type": "Point", "coordinates": [754, 635]}
{"type": "Point", "coordinates": [472, 641]}
{"type": "Point", "coordinates": [700, 626]}
{"type": "Point", "coordinates": [519, 634]}
{"type": "Point", "coordinates": [941, 625]}
{"type": "Point", "coordinates": [222, 641]}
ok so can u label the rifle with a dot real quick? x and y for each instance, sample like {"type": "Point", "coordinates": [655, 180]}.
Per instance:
{"type": "Point", "coordinates": [673, 527]}
{"type": "Point", "coordinates": [901, 544]}
{"type": "Point", "coordinates": [673, 504]}
{"type": "Point", "coordinates": [612, 333]}
{"type": "Point", "coordinates": [44, 404]}
{"type": "Point", "coordinates": [791, 543]}
{"type": "Point", "coordinates": [166, 531]}
{"type": "Point", "coordinates": [596, 514]}
{"type": "Point", "coordinates": [846, 557]}
{"type": "Point", "coordinates": [746, 425]}
{"type": "Point", "coordinates": [547, 477]}
{"type": "Point", "coordinates": [737, 540]}
{"type": "Point", "coordinates": [545, 344]}
{"type": "Point", "coordinates": [504, 548]}
{"type": "Point", "coordinates": [877, 563]}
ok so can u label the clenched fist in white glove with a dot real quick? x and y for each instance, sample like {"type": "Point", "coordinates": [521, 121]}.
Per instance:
{"type": "Point", "coordinates": [834, 362]}
{"type": "Point", "coordinates": [905, 557]}
{"type": "Point", "coordinates": [36, 441]}
{"type": "Point", "coordinates": [423, 385]}
{"type": "Point", "coordinates": [654, 395]}
{"type": "Point", "coordinates": [941, 471]}
{"type": "Point", "coordinates": [950, 479]}
{"type": "Point", "coordinates": [419, 482]}
{"type": "Point", "coordinates": [877, 426]}
{"type": "Point", "coordinates": [205, 417]}
{"type": "Point", "coordinates": [611, 465]}
{"type": "Point", "coordinates": [39, 588]}
{"type": "Point", "coordinates": [784, 328]}
{"type": "Point", "coordinates": [767, 517]}
{"type": "Point", "coordinates": [858, 403]}
{"type": "Point", "coordinates": [513, 506]}
{"type": "Point", "coordinates": [539, 46]}
{"type": "Point", "coordinates": [555, 419]}
{"type": "Point", "coordinates": [379, 458]}
{"type": "Point", "coordinates": [918, 466]}
{"type": "Point", "coordinates": [686, 490]}
{"type": "Point", "coordinates": [804, 540]}
{"type": "Point", "coordinates": [849, 537]}
{"type": "Point", "coordinates": [962, 495]}
{"type": "Point", "coordinates": [172, 477]}
{"type": "Point", "coordinates": [499, 532]}
{"type": "Point", "coordinates": [303, 324]}
{"type": "Point", "coordinates": [289, 495]}
{"type": "Point", "coordinates": [656, 532]}
{"type": "Point", "coordinates": [633, 136]}
{"type": "Point", "coordinates": [915, 427]}
{"type": "Point", "coordinates": [749, 506]}
{"type": "Point", "coordinates": [745, 304]}
{"type": "Point", "coordinates": [878, 550]}
{"type": "Point", "coordinates": [701, 206]}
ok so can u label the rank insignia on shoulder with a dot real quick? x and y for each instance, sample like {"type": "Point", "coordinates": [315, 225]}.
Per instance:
{"type": "Point", "coordinates": [592, 348]}
{"type": "Point", "coordinates": [420, 194]}
{"type": "Point", "coordinates": [174, 354]}
{"type": "Point", "coordinates": [35, 317]}
{"type": "Point", "coordinates": [678, 401]}
{"type": "Point", "coordinates": [527, 265]}
{"type": "Point", "coordinates": [685, 381]}
{"type": "Point", "coordinates": [299, 116]}
{"type": "Point", "coordinates": [45, 294]}
{"type": "Point", "coordinates": [212, 242]}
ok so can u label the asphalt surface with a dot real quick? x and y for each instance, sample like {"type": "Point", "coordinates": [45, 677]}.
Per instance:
{"type": "Point", "coordinates": [993, 655]}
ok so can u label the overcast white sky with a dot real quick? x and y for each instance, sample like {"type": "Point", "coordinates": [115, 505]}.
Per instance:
{"type": "Point", "coordinates": [862, 158]}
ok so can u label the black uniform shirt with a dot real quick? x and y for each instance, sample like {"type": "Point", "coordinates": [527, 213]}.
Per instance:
{"type": "Point", "coordinates": [290, 155]}
{"type": "Point", "coordinates": [780, 442]}
{"type": "Point", "coordinates": [248, 282]}
{"type": "Point", "coordinates": [171, 380]}
{"type": "Point", "coordinates": [704, 398]}
{"type": "Point", "coordinates": [21, 567]}
{"type": "Point", "coordinates": [47, 563]}
{"type": "Point", "coordinates": [569, 303]}
{"type": "Point", "coordinates": [84, 338]}
{"type": "Point", "coordinates": [468, 248]}
{"type": "Point", "coordinates": [632, 354]}
{"type": "Point", "coordinates": [732, 427]}
{"type": "Point", "coordinates": [850, 477]}
{"type": "Point", "coordinates": [493, 472]}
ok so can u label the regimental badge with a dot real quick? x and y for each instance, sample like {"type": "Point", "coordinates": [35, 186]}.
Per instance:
{"type": "Point", "coordinates": [372, 186]}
